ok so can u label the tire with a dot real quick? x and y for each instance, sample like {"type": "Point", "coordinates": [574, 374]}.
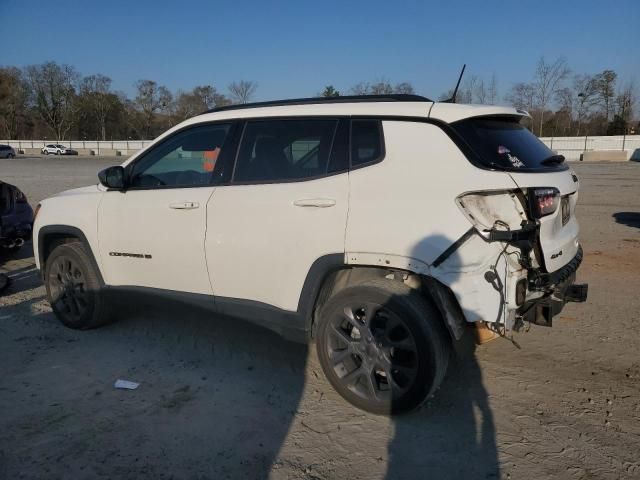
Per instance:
{"type": "Point", "coordinates": [58, 152]}
{"type": "Point", "coordinates": [46, 152]}
{"type": "Point", "coordinates": [74, 289]}
{"type": "Point", "coordinates": [378, 330]}
{"type": "Point", "coordinates": [11, 155]}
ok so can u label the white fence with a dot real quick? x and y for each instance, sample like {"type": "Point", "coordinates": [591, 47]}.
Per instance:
{"type": "Point", "coordinates": [573, 147]}
{"type": "Point", "coordinates": [109, 147]}
{"type": "Point", "coordinates": [570, 147]}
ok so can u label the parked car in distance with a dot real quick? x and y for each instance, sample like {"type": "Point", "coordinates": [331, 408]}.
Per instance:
{"type": "Point", "coordinates": [378, 227]}
{"type": "Point", "coordinates": [7, 151]}
{"type": "Point", "coordinates": [58, 149]}
{"type": "Point", "coordinates": [16, 217]}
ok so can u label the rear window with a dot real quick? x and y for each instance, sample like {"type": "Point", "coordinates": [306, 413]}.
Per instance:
{"type": "Point", "coordinates": [506, 145]}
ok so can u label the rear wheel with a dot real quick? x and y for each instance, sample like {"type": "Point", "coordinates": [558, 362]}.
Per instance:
{"type": "Point", "coordinates": [11, 155]}
{"type": "Point", "coordinates": [382, 346]}
{"type": "Point", "coordinates": [73, 287]}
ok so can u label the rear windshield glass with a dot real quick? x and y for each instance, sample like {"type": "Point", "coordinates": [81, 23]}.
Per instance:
{"type": "Point", "coordinates": [505, 144]}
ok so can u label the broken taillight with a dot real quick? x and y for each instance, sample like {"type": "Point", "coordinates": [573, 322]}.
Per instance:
{"type": "Point", "coordinates": [543, 201]}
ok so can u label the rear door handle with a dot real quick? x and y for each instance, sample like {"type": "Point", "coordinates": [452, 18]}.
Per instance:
{"type": "Point", "coordinates": [184, 205]}
{"type": "Point", "coordinates": [315, 202]}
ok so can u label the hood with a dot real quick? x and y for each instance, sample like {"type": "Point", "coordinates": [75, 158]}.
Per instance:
{"type": "Point", "coordinates": [91, 189]}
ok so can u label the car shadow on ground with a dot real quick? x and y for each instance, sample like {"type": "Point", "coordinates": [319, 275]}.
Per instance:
{"type": "Point", "coordinates": [630, 219]}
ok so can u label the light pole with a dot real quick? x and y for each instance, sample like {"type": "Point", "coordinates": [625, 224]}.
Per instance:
{"type": "Point", "coordinates": [582, 98]}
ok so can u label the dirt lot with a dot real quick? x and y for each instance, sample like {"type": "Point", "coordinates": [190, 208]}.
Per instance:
{"type": "Point", "coordinates": [221, 399]}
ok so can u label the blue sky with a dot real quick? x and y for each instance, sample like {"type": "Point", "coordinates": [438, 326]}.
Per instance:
{"type": "Point", "coordinates": [295, 48]}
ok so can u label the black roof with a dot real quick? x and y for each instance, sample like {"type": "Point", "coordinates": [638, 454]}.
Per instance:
{"type": "Point", "coordinates": [398, 97]}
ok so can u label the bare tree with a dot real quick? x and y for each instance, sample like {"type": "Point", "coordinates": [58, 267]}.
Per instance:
{"type": "Point", "coordinates": [95, 91]}
{"type": "Point", "coordinates": [625, 101]}
{"type": "Point", "coordinates": [14, 94]}
{"type": "Point", "coordinates": [606, 87]}
{"type": "Point", "coordinates": [522, 96]}
{"type": "Point", "coordinates": [548, 80]}
{"type": "Point", "coordinates": [480, 92]}
{"type": "Point", "coordinates": [585, 95]}
{"type": "Point", "coordinates": [242, 91]}
{"type": "Point", "coordinates": [467, 90]}
{"type": "Point", "coordinates": [492, 90]}
{"type": "Point", "coordinates": [150, 99]}
{"type": "Point", "coordinates": [54, 90]}
{"type": "Point", "coordinates": [362, 88]}
{"type": "Point", "coordinates": [381, 87]}
{"type": "Point", "coordinates": [200, 99]}
{"type": "Point", "coordinates": [404, 87]}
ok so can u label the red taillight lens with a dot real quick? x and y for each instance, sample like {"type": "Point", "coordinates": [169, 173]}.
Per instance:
{"type": "Point", "coordinates": [544, 201]}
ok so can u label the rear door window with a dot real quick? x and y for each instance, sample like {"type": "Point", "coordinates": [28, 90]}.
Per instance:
{"type": "Point", "coordinates": [504, 144]}
{"type": "Point", "coordinates": [284, 150]}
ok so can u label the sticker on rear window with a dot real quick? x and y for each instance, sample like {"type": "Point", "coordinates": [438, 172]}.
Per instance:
{"type": "Point", "coordinates": [515, 161]}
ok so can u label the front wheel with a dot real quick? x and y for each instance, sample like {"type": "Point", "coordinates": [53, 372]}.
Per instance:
{"type": "Point", "coordinates": [382, 346]}
{"type": "Point", "coordinates": [73, 287]}
{"type": "Point", "coordinates": [58, 152]}
{"type": "Point", "coordinates": [46, 152]}
{"type": "Point", "coordinates": [11, 155]}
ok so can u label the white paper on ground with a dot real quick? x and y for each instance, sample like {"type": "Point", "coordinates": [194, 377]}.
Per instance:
{"type": "Point", "coordinates": [126, 384]}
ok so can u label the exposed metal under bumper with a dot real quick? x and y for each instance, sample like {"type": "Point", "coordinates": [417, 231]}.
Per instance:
{"type": "Point", "coordinates": [541, 311]}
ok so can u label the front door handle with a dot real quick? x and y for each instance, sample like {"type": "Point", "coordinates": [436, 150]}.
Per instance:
{"type": "Point", "coordinates": [315, 202]}
{"type": "Point", "coordinates": [184, 205]}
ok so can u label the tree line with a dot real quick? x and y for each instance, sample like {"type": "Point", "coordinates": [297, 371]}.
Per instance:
{"type": "Point", "coordinates": [55, 101]}
{"type": "Point", "coordinates": [560, 102]}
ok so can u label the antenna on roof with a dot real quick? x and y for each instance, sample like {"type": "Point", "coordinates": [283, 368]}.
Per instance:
{"type": "Point", "coordinates": [455, 90]}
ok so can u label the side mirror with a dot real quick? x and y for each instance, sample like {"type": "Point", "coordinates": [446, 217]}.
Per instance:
{"type": "Point", "coordinates": [112, 177]}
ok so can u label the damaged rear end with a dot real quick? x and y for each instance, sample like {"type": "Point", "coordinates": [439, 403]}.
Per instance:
{"type": "Point", "coordinates": [534, 222]}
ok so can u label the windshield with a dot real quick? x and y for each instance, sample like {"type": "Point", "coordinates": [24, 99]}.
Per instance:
{"type": "Point", "coordinates": [503, 143]}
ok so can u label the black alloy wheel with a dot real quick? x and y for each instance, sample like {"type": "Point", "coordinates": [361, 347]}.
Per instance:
{"type": "Point", "coordinates": [382, 345]}
{"type": "Point", "coordinates": [68, 288]}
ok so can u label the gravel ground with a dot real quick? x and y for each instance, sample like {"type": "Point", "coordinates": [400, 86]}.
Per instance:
{"type": "Point", "coordinates": [222, 399]}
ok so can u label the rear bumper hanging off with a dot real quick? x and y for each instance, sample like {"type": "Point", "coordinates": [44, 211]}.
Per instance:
{"type": "Point", "coordinates": [560, 289]}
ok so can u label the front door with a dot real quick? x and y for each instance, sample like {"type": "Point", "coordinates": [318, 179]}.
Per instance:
{"type": "Point", "coordinates": [153, 233]}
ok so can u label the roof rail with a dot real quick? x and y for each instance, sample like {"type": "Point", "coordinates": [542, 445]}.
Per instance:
{"type": "Point", "coordinates": [396, 97]}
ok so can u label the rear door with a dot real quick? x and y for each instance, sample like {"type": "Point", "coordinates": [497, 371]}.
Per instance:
{"type": "Point", "coordinates": [503, 144]}
{"type": "Point", "coordinates": [285, 208]}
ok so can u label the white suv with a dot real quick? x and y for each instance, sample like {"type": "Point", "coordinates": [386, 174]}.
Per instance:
{"type": "Point", "coordinates": [56, 149]}
{"type": "Point", "coordinates": [377, 226]}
